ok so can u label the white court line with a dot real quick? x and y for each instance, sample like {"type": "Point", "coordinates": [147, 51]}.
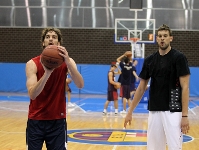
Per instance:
{"type": "Point", "coordinates": [111, 127]}
{"type": "Point", "coordinates": [3, 101]}
{"type": "Point", "coordinates": [79, 106]}
{"type": "Point", "coordinates": [76, 106]}
{"type": "Point", "coordinates": [114, 147]}
{"type": "Point", "coordinates": [13, 109]}
{"type": "Point", "coordinates": [191, 110]}
{"type": "Point", "coordinates": [82, 99]}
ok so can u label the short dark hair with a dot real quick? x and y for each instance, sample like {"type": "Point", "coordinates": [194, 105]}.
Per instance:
{"type": "Point", "coordinates": [126, 60]}
{"type": "Point", "coordinates": [46, 30]}
{"type": "Point", "coordinates": [164, 27]}
{"type": "Point", "coordinates": [113, 65]}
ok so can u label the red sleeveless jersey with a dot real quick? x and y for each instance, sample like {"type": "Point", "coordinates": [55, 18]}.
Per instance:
{"type": "Point", "coordinates": [50, 104]}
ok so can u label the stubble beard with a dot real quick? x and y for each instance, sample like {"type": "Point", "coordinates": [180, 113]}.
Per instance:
{"type": "Point", "coordinates": [163, 48]}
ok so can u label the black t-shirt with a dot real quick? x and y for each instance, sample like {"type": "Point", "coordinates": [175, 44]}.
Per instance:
{"type": "Point", "coordinates": [158, 68]}
{"type": "Point", "coordinates": [126, 73]}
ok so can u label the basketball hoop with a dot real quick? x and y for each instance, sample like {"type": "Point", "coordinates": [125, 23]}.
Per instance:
{"type": "Point", "coordinates": [134, 40]}
{"type": "Point", "coordinates": [133, 45]}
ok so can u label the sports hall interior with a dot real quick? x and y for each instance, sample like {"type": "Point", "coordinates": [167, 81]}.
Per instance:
{"type": "Point", "coordinates": [88, 29]}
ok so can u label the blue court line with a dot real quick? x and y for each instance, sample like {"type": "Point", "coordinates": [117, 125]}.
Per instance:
{"type": "Point", "coordinates": [195, 102]}
{"type": "Point", "coordinates": [14, 98]}
{"type": "Point", "coordinates": [97, 105]}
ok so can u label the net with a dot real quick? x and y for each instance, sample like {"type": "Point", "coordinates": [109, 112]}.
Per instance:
{"type": "Point", "coordinates": [135, 48]}
{"type": "Point", "coordinates": [134, 39]}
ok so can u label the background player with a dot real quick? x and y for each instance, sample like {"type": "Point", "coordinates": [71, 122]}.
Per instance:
{"type": "Point", "coordinates": [68, 90]}
{"type": "Point", "coordinates": [125, 79]}
{"type": "Point", "coordinates": [112, 94]}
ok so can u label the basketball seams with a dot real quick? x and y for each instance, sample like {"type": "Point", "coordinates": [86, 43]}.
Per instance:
{"type": "Point", "coordinates": [52, 57]}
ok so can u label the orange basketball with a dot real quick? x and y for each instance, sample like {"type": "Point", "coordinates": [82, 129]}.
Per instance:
{"type": "Point", "coordinates": [128, 53]}
{"type": "Point", "coordinates": [118, 85]}
{"type": "Point", "coordinates": [50, 57]}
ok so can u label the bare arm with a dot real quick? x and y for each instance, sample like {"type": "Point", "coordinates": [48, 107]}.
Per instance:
{"type": "Point", "coordinates": [35, 87]}
{"type": "Point", "coordinates": [74, 73]}
{"type": "Point", "coordinates": [118, 70]}
{"type": "Point", "coordinates": [68, 81]}
{"type": "Point", "coordinates": [125, 54]}
{"type": "Point", "coordinates": [136, 76]}
{"type": "Point", "coordinates": [120, 58]}
{"type": "Point", "coordinates": [184, 82]}
{"type": "Point", "coordinates": [137, 97]}
{"type": "Point", "coordinates": [110, 75]}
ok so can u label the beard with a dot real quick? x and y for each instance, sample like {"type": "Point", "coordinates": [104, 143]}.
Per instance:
{"type": "Point", "coordinates": [163, 47]}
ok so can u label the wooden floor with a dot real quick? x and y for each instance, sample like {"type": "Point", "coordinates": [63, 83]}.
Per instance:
{"type": "Point", "coordinates": [13, 117]}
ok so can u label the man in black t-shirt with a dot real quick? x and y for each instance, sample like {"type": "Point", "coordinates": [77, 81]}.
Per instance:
{"type": "Point", "coordinates": [168, 95]}
{"type": "Point", "coordinates": [125, 79]}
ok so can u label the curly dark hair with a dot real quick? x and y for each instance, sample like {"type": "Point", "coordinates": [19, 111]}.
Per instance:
{"type": "Point", "coordinates": [46, 30]}
{"type": "Point", "coordinates": [165, 27]}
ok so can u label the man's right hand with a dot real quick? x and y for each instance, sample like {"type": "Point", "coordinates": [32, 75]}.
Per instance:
{"type": "Point", "coordinates": [46, 69]}
{"type": "Point", "coordinates": [128, 119]}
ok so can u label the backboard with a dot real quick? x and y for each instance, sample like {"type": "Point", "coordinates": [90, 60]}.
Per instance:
{"type": "Point", "coordinates": [126, 30]}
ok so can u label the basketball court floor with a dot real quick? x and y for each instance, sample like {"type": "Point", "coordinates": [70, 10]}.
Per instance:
{"type": "Point", "coordinates": [88, 129]}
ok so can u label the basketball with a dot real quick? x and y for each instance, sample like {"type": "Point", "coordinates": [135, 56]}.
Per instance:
{"type": "Point", "coordinates": [118, 85]}
{"type": "Point", "coordinates": [50, 57]}
{"type": "Point", "coordinates": [128, 53]}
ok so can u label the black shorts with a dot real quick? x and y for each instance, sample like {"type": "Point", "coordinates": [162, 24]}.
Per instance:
{"type": "Point", "coordinates": [132, 87]}
{"type": "Point", "coordinates": [125, 91]}
{"type": "Point", "coordinates": [112, 96]}
{"type": "Point", "coordinates": [53, 132]}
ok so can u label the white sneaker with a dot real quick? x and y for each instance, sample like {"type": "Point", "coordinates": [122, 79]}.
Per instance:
{"type": "Point", "coordinates": [66, 145]}
{"type": "Point", "coordinates": [104, 113]}
{"type": "Point", "coordinates": [123, 112]}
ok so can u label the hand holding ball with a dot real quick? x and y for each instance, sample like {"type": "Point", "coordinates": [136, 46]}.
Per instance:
{"type": "Point", "coordinates": [50, 57]}
{"type": "Point", "coordinates": [128, 53]}
{"type": "Point", "coordinates": [118, 85]}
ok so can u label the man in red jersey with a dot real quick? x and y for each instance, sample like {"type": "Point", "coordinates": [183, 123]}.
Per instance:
{"type": "Point", "coordinates": [46, 88]}
{"type": "Point", "coordinates": [112, 94]}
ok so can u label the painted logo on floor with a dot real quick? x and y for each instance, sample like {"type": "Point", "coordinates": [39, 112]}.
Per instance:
{"type": "Point", "coordinates": [112, 137]}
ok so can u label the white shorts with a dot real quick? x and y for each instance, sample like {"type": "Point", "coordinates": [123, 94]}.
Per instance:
{"type": "Point", "coordinates": [164, 127]}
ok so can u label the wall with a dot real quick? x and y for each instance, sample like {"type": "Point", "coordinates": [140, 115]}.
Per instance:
{"type": "Point", "coordinates": [13, 78]}
{"type": "Point", "coordinates": [86, 46]}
